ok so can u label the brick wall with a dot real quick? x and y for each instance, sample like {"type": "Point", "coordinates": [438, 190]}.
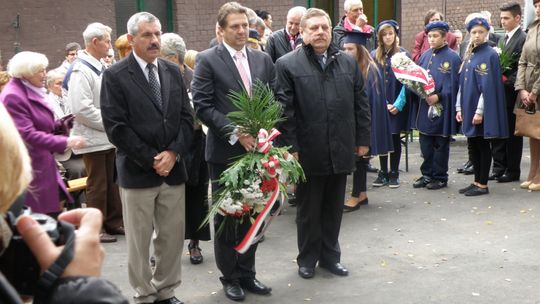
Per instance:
{"type": "Point", "coordinates": [196, 20]}
{"type": "Point", "coordinates": [46, 26]}
{"type": "Point", "coordinates": [412, 14]}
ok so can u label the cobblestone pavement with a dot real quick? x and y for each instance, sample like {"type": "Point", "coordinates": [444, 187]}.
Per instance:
{"type": "Point", "coordinates": [406, 246]}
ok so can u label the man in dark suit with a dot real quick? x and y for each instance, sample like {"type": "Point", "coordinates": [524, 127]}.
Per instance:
{"type": "Point", "coordinates": [225, 67]}
{"type": "Point", "coordinates": [287, 39]}
{"type": "Point", "coordinates": [146, 114]}
{"type": "Point", "coordinates": [328, 122]}
{"type": "Point", "coordinates": [507, 152]}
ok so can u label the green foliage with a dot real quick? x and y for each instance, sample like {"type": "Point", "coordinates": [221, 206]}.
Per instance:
{"type": "Point", "coordinates": [259, 111]}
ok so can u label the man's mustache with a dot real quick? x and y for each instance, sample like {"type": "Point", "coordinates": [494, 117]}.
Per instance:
{"type": "Point", "coordinates": [153, 46]}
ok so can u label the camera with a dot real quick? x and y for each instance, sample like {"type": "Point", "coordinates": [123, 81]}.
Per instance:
{"type": "Point", "coordinates": [17, 263]}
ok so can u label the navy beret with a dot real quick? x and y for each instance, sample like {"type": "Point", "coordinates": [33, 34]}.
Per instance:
{"type": "Point", "coordinates": [356, 37]}
{"type": "Point", "coordinates": [392, 23]}
{"type": "Point", "coordinates": [477, 21]}
{"type": "Point", "coordinates": [253, 34]}
{"type": "Point", "coordinates": [437, 25]}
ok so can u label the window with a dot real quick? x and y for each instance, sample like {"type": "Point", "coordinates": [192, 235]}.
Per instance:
{"type": "Point", "coordinates": [162, 9]}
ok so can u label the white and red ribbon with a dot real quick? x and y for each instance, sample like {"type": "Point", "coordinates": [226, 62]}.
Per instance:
{"type": "Point", "coordinates": [264, 140]}
{"type": "Point", "coordinates": [271, 165]}
{"type": "Point", "coordinates": [251, 236]}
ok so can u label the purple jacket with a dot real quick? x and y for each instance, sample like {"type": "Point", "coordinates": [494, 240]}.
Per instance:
{"type": "Point", "coordinates": [35, 122]}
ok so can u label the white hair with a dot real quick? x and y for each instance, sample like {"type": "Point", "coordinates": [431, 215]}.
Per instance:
{"type": "Point", "coordinates": [95, 30]}
{"type": "Point", "coordinates": [25, 64]}
{"type": "Point", "coordinates": [252, 16]}
{"type": "Point", "coordinates": [173, 44]}
{"type": "Point", "coordinates": [296, 11]}
{"type": "Point", "coordinates": [349, 4]}
{"type": "Point", "coordinates": [259, 23]}
{"type": "Point", "coordinates": [133, 22]}
{"type": "Point", "coordinates": [52, 75]}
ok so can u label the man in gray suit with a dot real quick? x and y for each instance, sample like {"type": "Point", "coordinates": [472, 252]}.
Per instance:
{"type": "Point", "coordinates": [146, 113]}
{"type": "Point", "coordinates": [225, 67]}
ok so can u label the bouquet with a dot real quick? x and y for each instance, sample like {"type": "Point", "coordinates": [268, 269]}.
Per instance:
{"type": "Point", "coordinates": [250, 187]}
{"type": "Point", "coordinates": [416, 79]}
{"type": "Point", "coordinates": [506, 60]}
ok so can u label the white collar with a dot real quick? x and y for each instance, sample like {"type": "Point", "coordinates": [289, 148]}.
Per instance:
{"type": "Point", "coordinates": [233, 51]}
{"type": "Point", "coordinates": [511, 33]}
{"type": "Point", "coordinates": [40, 91]}
{"type": "Point", "coordinates": [142, 63]}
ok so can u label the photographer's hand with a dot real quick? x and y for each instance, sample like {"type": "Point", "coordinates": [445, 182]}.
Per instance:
{"type": "Point", "coordinates": [89, 253]}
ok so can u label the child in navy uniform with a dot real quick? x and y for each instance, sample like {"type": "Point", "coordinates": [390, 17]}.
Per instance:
{"type": "Point", "coordinates": [435, 131]}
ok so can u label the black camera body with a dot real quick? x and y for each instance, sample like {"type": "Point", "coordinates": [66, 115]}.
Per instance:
{"type": "Point", "coordinates": [17, 263]}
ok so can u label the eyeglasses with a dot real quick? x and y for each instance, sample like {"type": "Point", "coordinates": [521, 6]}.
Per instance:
{"type": "Point", "coordinates": [72, 54]}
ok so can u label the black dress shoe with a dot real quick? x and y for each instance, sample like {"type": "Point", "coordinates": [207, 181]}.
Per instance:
{"type": "Point", "coordinates": [306, 272]}
{"type": "Point", "coordinates": [468, 170]}
{"type": "Point", "coordinates": [335, 268]}
{"type": "Point", "coordinates": [195, 255]}
{"type": "Point", "coordinates": [494, 175]}
{"type": "Point", "coordinates": [172, 300]}
{"type": "Point", "coordinates": [233, 291]}
{"type": "Point", "coordinates": [436, 184]}
{"type": "Point", "coordinates": [465, 165]}
{"type": "Point", "coordinates": [371, 169]}
{"type": "Point", "coordinates": [421, 182]}
{"type": "Point", "coordinates": [506, 178]}
{"type": "Point", "coordinates": [255, 286]}
{"type": "Point", "coordinates": [476, 191]}
{"type": "Point", "coordinates": [469, 187]}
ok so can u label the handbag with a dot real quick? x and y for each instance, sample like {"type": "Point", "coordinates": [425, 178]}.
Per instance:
{"type": "Point", "coordinates": [64, 125]}
{"type": "Point", "coordinates": [527, 121]}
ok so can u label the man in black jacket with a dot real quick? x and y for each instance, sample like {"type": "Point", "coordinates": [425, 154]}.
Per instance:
{"type": "Point", "coordinates": [328, 122]}
{"type": "Point", "coordinates": [507, 152]}
{"type": "Point", "coordinates": [287, 39]}
{"type": "Point", "coordinates": [146, 113]}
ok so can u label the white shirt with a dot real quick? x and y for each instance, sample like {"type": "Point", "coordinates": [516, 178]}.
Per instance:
{"type": "Point", "coordinates": [143, 64]}
{"type": "Point", "coordinates": [243, 61]}
{"type": "Point", "coordinates": [511, 33]}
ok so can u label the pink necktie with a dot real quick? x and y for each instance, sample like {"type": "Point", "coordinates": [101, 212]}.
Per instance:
{"type": "Point", "coordinates": [243, 74]}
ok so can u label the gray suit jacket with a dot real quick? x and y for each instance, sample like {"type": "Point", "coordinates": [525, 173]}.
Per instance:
{"type": "Point", "coordinates": [215, 77]}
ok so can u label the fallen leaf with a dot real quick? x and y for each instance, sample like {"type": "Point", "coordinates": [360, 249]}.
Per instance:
{"type": "Point", "coordinates": [307, 299]}
{"type": "Point", "coordinates": [210, 271]}
{"type": "Point", "coordinates": [443, 219]}
{"type": "Point", "coordinates": [214, 292]}
{"type": "Point", "coordinates": [508, 280]}
{"type": "Point", "coordinates": [411, 241]}
{"type": "Point", "coordinates": [475, 294]}
{"type": "Point", "coordinates": [489, 223]}
{"type": "Point", "coordinates": [383, 263]}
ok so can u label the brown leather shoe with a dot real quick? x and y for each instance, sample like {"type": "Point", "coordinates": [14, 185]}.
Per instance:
{"type": "Point", "coordinates": [104, 237]}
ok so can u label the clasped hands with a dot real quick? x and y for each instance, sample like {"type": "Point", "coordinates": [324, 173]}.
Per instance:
{"type": "Point", "coordinates": [164, 162]}
{"type": "Point", "coordinates": [477, 119]}
{"type": "Point", "coordinates": [527, 98]}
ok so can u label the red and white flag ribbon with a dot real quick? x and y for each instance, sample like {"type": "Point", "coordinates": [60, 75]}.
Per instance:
{"type": "Point", "coordinates": [264, 140]}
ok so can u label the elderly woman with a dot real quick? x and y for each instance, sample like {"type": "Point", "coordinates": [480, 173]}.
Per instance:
{"type": "Point", "coordinates": [24, 99]}
{"type": "Point", "coordinates": [123, 46]}
{"type": "Point", "coordinates": [173, 48]}
{"type": "Point", "coordinates": [528, 85]}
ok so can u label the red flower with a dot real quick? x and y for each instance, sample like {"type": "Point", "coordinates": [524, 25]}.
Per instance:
{"type": "Point", "coordinates": [268, 185]}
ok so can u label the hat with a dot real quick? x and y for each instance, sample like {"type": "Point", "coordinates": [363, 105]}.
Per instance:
{"type": "Point", "coordinates": [356, 37]}
{"type": "Point", "coordinates": [477, 21]}
{"type": "Point", "coordinates": [392, 23]}
{"type": "Point", "coordinates": [253, 34]}
{"type": "Point", "coordinates": [438, 25]}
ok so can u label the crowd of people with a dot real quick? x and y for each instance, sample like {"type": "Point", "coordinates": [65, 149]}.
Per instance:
{"type": "Point", "coordinates": [149, 129]}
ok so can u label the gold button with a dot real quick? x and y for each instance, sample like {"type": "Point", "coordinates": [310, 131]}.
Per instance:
{"type": "Point", "coordinates": [466, 70]}
{"type": "Point", "coordinates": [469, 61]}
{"type": "Point", "coordinates": [434, 55]}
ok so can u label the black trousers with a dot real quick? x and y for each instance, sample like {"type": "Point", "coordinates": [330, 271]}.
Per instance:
{"type": "Point", "coordinates": [481, 158]}
{"type": "Point", "coordinates": [395, 156]}
{"type": "Point", "coordinates": [232, 264]}
{"type": "Point", "coordinates": [360, 176]}
{"type": "Point", "coordinates": [507, 152]}
{"type": "Point", "coordinates": [319, 211]}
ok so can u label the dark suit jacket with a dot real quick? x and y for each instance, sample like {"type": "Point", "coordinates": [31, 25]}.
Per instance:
{"type": "Point", "coordinates": [514, 46]}
{"type": "Point", "coordinates": [139, 128]}
{"type": "Point", "coordinates": [215, 77]}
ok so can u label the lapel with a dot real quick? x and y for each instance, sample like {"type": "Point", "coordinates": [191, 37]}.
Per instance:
{"type": "Point", "coordinates": [511, 45]}
{"type": "Point", "coordinates": [227, 59]}
{"type": "Point", "coordinates": [165, 81]}
{"type": "Point", "coordinates": [138, 77]}
{"type": "Point", "coordinates": [252, 66]}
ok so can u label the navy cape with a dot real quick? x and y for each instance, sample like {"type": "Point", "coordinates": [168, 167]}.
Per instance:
{"type": "Point", "coordinates": [402, 120]}
{"type": "Point", "coordinates": [381, 134]}
{"type": "Point", "coordinates": [481, 74]}
{"type": "Point", "coordinates": [443, 65]}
